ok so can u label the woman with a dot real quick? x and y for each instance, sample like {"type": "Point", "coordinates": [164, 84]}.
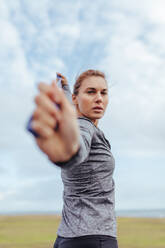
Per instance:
{"type": "Point", "coordinates": [80, 148]}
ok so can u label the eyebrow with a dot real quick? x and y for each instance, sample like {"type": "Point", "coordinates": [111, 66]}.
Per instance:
{"type": "Point", "coordinates": [90, 88]}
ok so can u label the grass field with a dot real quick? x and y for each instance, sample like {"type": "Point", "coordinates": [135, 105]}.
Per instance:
{"type": "Point", "coordinates": [40, 232]}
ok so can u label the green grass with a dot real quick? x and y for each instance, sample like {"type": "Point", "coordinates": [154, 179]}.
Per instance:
{"type": "Point", "coordinates": [28, 231]}
{"type": "Point", "coordinates": [141, 232]}
{"type": "Point", "coordinates": [36, 231]}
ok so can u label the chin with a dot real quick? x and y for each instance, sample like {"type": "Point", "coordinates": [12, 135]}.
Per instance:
{"type": "Point", "coordinates": [96, 116]}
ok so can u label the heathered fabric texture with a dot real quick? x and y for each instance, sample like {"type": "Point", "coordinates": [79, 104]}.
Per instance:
{"type": "Point", "coordinates": [88, 196]}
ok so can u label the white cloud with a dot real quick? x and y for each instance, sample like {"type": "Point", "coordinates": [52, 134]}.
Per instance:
{"type": "Point", "coordinates": [123, 38]}
{"type": "Point", "coordinates": [14, 69]}
{"type": "Point", "coordinates": [137, 96]}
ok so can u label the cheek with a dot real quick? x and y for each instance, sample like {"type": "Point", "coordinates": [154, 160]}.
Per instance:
{"type": "Point", "coordinates": [85, 101]}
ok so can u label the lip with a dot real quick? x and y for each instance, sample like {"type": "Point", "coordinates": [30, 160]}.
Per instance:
{"type": "Point", "coordinates": [98, 108]}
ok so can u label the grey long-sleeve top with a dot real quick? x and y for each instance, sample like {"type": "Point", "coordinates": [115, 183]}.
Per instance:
{"type": "Point", "coordinates": [88, 196]}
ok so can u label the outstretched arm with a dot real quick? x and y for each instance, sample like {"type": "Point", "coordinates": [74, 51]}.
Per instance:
{"type": "Point", "coordinates": [63, 143]}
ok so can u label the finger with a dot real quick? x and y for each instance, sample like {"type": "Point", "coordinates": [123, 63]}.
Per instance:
{"type": "Point", "coordinates": [46, 89]}
{"type": "Point", "coordinates": [45, 118]}
{"type": "Point", "coordinates": [63, 79]}
{"type": "Point", "coordinates": [60, 98]}
{"type": "Point", "coordinates": [54, 82]}
{"type": "Point", "coordinates": [60, 75]}
{"type": "Point", "coordinates": [42, 130]}
{"type": "Point", "coordinates": [47, 105]}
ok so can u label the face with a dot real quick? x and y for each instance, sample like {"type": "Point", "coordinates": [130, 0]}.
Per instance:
{"type": "Point", "coordinates": [92, 98]}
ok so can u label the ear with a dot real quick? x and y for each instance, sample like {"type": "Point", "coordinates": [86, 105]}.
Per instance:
{"type": "Point", "coordinates": [74, 99]}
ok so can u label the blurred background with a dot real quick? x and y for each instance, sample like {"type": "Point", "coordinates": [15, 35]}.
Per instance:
{"type": "Point", "coordinates": [126, 40]}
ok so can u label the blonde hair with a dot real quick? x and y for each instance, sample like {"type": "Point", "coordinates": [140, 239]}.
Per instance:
{"type": "Point", "coordinates": [85, 75]}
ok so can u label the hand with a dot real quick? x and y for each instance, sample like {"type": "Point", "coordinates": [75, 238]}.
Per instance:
{"type": "Point", "coordinates": [63, 79]}
{"type": "Point", "coordinates": [62, 144]}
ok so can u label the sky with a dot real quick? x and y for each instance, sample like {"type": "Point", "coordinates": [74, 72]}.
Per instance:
{"type": "Point", "coordinates": [123, 38]}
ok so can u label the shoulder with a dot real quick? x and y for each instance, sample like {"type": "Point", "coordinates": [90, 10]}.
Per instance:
{"type": "Point", "coordinates": [86, 124]}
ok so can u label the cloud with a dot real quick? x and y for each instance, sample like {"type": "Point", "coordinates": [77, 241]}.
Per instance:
{"type": "Point", "coordinates": [34, 195]}
{"type": "Point", "coordinates": [141, 182]}
{"type": "Point", "coordinates": [126, 40]}
{"type": "Point", "coordinates": [137, 95]}
{"type": "Point", "coordinates": [27, 185]}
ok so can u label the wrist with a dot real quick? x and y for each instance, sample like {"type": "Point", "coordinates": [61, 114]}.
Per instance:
{"type": "Point", "coordinates": [65, 156]}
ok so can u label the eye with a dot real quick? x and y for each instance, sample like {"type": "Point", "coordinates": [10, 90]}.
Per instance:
{"type": "Point", "coordinates": [91, 91]}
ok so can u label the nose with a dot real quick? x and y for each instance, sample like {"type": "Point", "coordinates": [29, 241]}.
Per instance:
{"type": "Point", "coordinates": [99, 97]}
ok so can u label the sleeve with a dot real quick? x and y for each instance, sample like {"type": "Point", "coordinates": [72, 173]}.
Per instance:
{"type": "Point", "coordinates": [67, 92]}
{"type": "Point", "coordinates": [86, 135]}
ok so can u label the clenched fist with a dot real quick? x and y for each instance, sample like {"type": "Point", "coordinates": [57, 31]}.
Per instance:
{"type": "Point", "coordinates": [55, 121]}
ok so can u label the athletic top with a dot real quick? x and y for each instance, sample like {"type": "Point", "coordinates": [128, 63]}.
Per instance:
{"type": "Point", "coordinates": [88, 196]}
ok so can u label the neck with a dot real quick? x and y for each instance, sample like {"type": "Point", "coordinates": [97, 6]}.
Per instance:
{"type": "Point", "coordinates": [79, 114]}
{"type": "Point", "coordinates": [95, 121]}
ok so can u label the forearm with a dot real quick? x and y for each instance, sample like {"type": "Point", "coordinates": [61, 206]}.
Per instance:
{"type": "Point", "coordinates": [66, 156]}
{"type": "Point", "coordinates": [76, 158]}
